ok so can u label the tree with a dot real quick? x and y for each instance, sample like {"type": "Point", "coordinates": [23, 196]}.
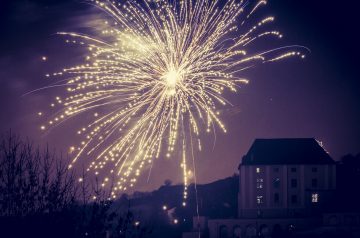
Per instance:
{"type": "Point", "coordinates": [40, 197]}
{"type": "Point", "coordinates": [167, 182]}
{"type": "Point", "coordinates": [347, 194]}
{"type": "Point", "coordinates": [32, 181]}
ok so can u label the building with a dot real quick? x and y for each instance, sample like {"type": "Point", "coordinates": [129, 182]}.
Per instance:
{"type": "Point", "coordinates": [285, 178]}
{"type": "Point", "coordinates": [199, 228]}
{"type": "Point", "coordinates": [284, 184]}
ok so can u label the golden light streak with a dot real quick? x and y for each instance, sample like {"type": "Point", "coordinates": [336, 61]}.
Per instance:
{"type": "Point", "coordinates": [155, 78]}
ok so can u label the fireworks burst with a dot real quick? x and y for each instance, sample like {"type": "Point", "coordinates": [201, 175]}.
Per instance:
{"type": "Point", "coordinates": [155, 79]}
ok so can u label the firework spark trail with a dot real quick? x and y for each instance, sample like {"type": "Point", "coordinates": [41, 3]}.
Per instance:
{"type": "Point", "coordinates": [159, 68]}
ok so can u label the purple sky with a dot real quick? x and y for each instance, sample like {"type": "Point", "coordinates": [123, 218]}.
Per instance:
{"type": "Point", "coordinates": [316, 97]}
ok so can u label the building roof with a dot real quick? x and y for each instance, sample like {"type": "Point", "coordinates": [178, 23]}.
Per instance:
{"type": "Point", "coordinates": [286, 151]}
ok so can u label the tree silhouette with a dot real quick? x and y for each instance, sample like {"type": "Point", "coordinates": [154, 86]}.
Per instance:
{"type": "Point", "coordinates": [40, 197]}
{"type": "Point", "coordinates": [32, 181]}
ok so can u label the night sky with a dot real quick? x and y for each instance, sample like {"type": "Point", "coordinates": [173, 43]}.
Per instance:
{"type": "Point", "coordinates": [316, 97]}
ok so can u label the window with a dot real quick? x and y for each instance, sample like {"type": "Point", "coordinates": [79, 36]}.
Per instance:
{"type": "Point", "coordinates": [314, 183]}
{"type": "Point", "coordinates": [315, 198]}
{"type": "Point", "coordinates": [293, 170]}
{"type": "Point", "coordinates": [314, 169]}
{"type": "Point", "coordinates": [294, 183]}
{"type": "Point", "coordinates": [293, 199]}
{"type": "Point", "coordinates": [276, 183]}
{"type": "Point", "coordinates": [291, 227]}
{"type": "Point", "coordinates": [259, 183]}
{"type": "Point", "coordinates": [258, 170]}
{"type": "Point", "coordinates": [237, 232]}
{"type": "Point", "coordinates": [223, 232]}
{"type": "Point", "coordinates": [276, 198]}
{"type": "Point", "coordinates": [259, 199]}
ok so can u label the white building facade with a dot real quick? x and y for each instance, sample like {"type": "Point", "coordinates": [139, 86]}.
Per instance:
{"type": "Point", "coordinates": [284, 190]}
{"type": "Point", "coordinates": [284, 184]}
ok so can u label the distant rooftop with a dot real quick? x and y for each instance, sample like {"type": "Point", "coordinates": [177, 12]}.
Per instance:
{"type": "Point", "coordinates": [286, 151]}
